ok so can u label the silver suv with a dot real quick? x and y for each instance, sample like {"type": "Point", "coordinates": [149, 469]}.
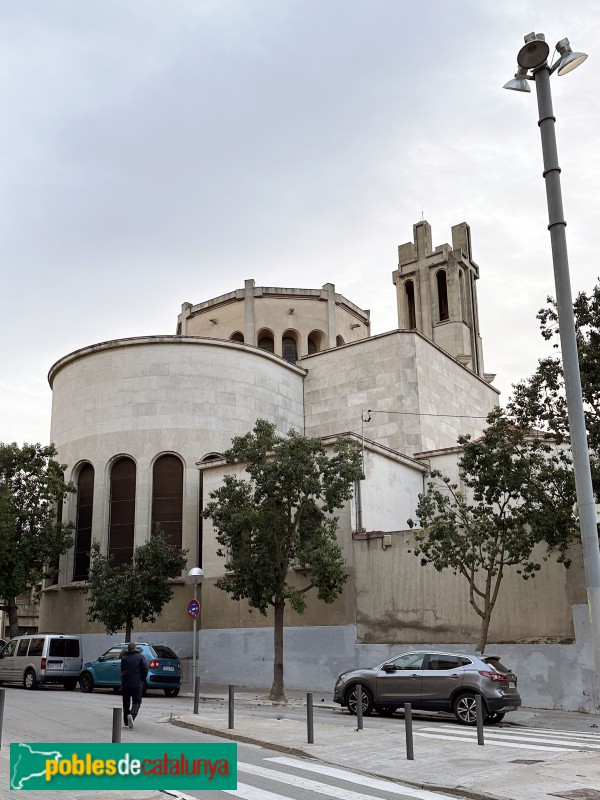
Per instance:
{"type": "Point", "coordinates": [434, 682]}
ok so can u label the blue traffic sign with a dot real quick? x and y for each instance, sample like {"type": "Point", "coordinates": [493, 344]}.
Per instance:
{"type": "Point", "coordinates": [193, 608]}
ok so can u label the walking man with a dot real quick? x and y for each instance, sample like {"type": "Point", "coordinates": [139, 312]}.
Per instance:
{"type": "Point", "coordinates": [133, 674]}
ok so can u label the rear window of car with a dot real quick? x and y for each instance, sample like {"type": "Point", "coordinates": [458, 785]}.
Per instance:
{"type": "Point", "coordinates": [22, 649]}
{"type": "Point", "coordinates": [68, 648]}
{"type": "Point", "coordinates": [495, 662]}
{"type": "Point", "coordinates": [162, 651]}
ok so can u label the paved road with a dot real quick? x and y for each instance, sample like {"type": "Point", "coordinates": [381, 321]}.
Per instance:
{"type": "Point", "coordinates": [53, 715]}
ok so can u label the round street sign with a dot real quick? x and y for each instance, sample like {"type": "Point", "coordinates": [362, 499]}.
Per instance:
{"type": "Point", "coordinates": [193, 608]}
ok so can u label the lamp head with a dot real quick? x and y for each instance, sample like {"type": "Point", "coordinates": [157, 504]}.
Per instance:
{"type": "Point", "coordinates": [195, 575]}
{"type": "Point", "coordinates": [534, 52]}
{"type": "Point", "coordinates": [520, 82]}
{"type": "Point", "coordinates": [568, 59]}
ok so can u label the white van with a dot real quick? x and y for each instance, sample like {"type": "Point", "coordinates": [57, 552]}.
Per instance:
{"type": "Point", "coordinates": [42, 658]}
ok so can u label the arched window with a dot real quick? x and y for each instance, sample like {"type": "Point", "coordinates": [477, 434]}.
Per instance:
{"type": "Point", "coordinates": [289, 347]}
{"type": "Point", "coordinates": [266, 342]}
{"type": "Point", "coordinates": [442, 294]}
{"type": "Point", "coordinates": [83, 524]}
{"type": "Point", "coordinates": [167, 497]}
{"type": "Point", "coordinates": [315, 339]}
{"type": "Point", "coordinates": [122, 511]}
{"type": "Point", "coordinates": [236, 337]}
{"type": "Point", "coordinates": [339, 341]}
{"type": "Point", "coordinates": [409, 288]}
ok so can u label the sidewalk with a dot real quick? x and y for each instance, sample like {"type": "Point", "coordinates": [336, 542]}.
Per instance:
{"type": "Point", "coordinates": [439, 765]}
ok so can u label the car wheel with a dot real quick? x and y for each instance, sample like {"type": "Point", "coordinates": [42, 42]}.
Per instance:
{"type": "Point", "coordinates": [367, 701]}
{"type": "Point", "coordinates": [465, 709]}
{"type": "Point", "coordinates": [492, 719]}
{"type": "Point", "coordinates": [70, 684]}
{"type": "Point", "coordinates": [30, 680]}
{"type": "Point", "coordinates": [171, 692]}
{"type": "Point", "coordinates": [86, 683]}
{"type": "Point", "coordinates": [385, 711]}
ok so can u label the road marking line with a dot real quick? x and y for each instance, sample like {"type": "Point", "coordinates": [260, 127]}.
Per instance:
{"type": "Point", "coordinates": [501, 744]}
{"type": "Point", "coordinates": [527, 736]}
{"type": "Point", "coordinates": [354, 777]}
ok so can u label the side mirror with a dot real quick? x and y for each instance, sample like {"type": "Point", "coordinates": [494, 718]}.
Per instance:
{"type": "Point", "coordinates": [389, 668]}
{"type": "Point", "coordinates": [101, 658]}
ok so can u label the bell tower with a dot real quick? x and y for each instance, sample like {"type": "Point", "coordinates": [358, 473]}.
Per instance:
{"type": "Point", "coordinates": [436, 293]}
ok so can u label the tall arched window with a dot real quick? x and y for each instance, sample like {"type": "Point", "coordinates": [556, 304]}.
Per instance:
{"type": "Point", "coordinates": [167, 497]}
{"type": "Point", "coordinates": [410, 305]}
{"type": "Point", "coordinates": [265, 341]}
{"type": "Point", "coordinates": [339, 341]}
{"type": "Point", "coordinates": [442, 294]}
{"type": "Point", "coordinates": [122, 511]}
{"type": "Point", "coordinates": [83, 524]}
{"type": "Point", "coordinates": [289, 348]}
{"type": "Point", "coordinates": [315, 339]}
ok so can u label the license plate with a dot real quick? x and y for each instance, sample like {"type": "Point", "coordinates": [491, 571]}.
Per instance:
{"type": "Point", "coordinates": [511, 684]}
{"type": "Point", "coordinates": [169, 669]}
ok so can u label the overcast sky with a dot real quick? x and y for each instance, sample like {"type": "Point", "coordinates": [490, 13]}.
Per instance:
{"type": "Point", "coordinates": [159, 152]}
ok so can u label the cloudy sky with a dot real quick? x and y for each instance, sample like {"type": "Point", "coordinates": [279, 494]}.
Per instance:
{"type": "Point", "coordinates": [164, 151]}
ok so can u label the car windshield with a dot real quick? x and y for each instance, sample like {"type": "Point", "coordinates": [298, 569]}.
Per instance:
{"type": "Point", "coordinates": [495, 662]}
{"type": "Point", "coordinates": [162, 651]}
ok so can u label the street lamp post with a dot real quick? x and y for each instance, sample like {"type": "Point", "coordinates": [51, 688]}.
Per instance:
{"type": "Point", "coordinates": [532, 58]}
{"type": "Point", "coordinates": [195, 576]}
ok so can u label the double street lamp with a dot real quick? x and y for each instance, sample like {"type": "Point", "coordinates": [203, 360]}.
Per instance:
{"type": "Point", "coordinates": [532, 61]}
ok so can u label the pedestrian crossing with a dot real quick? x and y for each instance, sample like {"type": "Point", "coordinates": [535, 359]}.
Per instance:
{"type": "Point", "coordinates": [543, 740]}
{"type": "Point", "coordinates": [312, 779]}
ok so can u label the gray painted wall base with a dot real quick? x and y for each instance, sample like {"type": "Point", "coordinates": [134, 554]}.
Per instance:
{"type": "Point", "coordinates": [558, 676]}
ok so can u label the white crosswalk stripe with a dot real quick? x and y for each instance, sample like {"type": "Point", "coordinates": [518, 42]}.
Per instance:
{"type": "Point", "coordinates": [523, 738]}
{"type": "Point", "coordinates": [364, 780]}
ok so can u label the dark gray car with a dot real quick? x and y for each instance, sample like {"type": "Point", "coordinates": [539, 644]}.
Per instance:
{"type": "Point", "coordinates": [435, 682]}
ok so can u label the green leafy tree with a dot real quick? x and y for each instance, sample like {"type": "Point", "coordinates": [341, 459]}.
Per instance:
{"type": "Point", "coordinates": [281, 516]}
{"type": "Point", "coordinates": [136, 591]}
{"type": "Point", "coordinates": [516, 491]}
{"type": "Point", "coordinates": [32, 486]}
{"type": "Point", "coordinates": [540, 401]}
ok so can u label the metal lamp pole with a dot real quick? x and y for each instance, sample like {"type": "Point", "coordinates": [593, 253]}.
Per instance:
{"type": "Point", "coordinates": [533, 56]}
{"type": "Point", "coordinates": [195, 576]}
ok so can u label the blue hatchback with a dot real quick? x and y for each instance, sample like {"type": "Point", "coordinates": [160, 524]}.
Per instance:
{"type": "Point", "coordinates": [164, 669]}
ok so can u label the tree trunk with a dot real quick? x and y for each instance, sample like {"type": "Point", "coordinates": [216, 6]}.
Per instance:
{"type": "Point", "coordinates": [483, 631]}
{"type": "Point", "coordinates": [13, 618]}
{"type": "Point", "coordinates": [277, 692]}
{"type": "Point", "coordinates": [128, 629]}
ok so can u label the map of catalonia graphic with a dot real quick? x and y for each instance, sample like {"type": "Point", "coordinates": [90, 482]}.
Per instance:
{"type": "Point", "coordinates": [35, 761]}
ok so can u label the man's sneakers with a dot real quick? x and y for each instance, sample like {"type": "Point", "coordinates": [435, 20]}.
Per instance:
{"type": "Point", "coordinates": [129, 721]}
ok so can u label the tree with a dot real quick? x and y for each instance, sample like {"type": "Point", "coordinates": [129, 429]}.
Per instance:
{"type": "Point", "coordinates": [281, 517]}
{"type": "Point", "coordinates": [32, 487]}
{"type": "Point", "coordinates": [516, 491]}
{"type": "Point", "coordinates": [540, 401]}
{"type": "Point", "coordinates": [139, 590]}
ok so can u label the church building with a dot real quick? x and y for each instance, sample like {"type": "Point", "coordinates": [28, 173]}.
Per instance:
{"type": "Point", "coordinates": [142, 424]}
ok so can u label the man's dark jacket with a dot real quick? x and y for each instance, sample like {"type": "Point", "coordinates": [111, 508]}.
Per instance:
{"type": "Point", "coordinates": [133, 670]}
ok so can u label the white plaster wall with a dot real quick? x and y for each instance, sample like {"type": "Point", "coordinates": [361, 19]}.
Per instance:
{"type": "Point", "coordinates": [389, 492]}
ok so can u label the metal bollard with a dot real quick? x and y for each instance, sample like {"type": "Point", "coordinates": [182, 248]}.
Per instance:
{"type": "Point", "coordinates": [2, 691]}
{"type": "Point", "coordinates": [310, 718]}
{"type": "Point", "coordinates": [231, 694]}
{"type": "Point", "coordinates": [359, 714]}
{"type": "Point", "coordinates": [479, 707]}
{"type": "Point", "coordinates": [116, 728]}
{"type": "Point", "coordinates": [410, 753]}
{"type": "Point", "coordinates": [196, 693]}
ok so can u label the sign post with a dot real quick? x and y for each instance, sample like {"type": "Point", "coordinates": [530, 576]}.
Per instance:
{"type": "Point", "coordinates": [195, 576]}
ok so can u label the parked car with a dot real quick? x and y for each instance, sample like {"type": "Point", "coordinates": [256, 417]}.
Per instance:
{"type": "Point", "coordinates": [435, 682]}
{"type": "Point", "coordinates": [42, 658]}
{"type": "Point", "coordinates": [2, 643]}
{"type": "Point", "coordinates": [164, 669]}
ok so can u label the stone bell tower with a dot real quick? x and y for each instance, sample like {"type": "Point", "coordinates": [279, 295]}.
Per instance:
{"type": "Point", "coordinates": [437, 294]}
